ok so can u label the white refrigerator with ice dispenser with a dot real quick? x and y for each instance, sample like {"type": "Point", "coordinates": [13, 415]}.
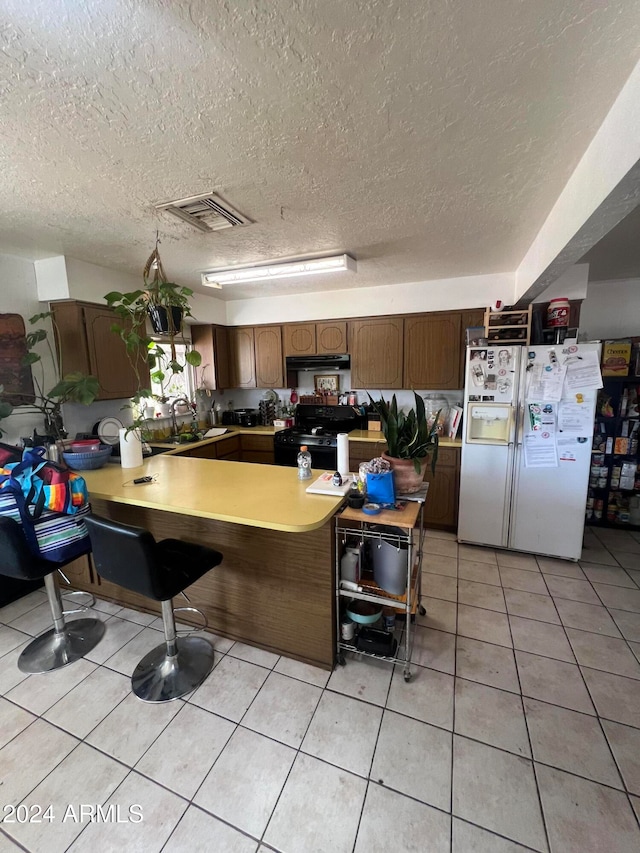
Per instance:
{"type": "Point", "coordinates": [526, 446]}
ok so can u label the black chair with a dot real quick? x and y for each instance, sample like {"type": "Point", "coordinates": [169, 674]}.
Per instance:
{"type": "Point", "coordinates": [66, 642]}
{"type": "Point", "coordinates": [130, 557]}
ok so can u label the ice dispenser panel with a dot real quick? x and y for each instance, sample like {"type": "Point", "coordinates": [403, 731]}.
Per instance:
{"type": "Point", "coordinates": [488, 423]}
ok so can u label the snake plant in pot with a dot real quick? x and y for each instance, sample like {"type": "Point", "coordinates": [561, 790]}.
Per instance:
{"type": "Point", "coordinates": [411, 440]}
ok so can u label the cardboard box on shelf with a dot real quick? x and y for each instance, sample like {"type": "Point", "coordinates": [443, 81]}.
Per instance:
{"type": "Point", "coordinates": [616, 356]}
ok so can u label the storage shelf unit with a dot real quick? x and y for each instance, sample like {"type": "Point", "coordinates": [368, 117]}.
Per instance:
{"type": "Point", "coordinates": [508, 327]}
{"type": "Point", "coordinates": [410, 522]}
{"type": "Point", "coordinates": [610, 492]}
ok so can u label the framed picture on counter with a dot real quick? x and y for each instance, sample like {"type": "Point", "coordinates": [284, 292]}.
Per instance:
{"type": "Point", "coordinates": [327, 384]}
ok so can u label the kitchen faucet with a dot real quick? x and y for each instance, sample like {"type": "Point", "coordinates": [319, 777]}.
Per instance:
{"type": "Point", "coordinates": [174, 423]}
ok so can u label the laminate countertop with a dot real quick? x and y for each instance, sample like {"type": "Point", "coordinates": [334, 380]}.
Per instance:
{"type": "Point", "coordinates": [266, 496]}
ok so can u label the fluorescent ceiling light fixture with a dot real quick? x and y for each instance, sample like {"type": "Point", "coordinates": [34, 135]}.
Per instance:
{"type": "Point", "coordinates": [311, 266]}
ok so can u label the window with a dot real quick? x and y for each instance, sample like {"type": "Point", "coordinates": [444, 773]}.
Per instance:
{"type": "Point", "coordinates": [176, 384]}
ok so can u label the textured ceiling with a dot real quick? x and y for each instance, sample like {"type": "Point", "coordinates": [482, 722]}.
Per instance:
{"type": "Point", "coordinates": [426, 138]}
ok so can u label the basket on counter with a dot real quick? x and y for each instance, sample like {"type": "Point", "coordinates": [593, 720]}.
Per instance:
{"type": "Point", "coordinates": [88, 460]}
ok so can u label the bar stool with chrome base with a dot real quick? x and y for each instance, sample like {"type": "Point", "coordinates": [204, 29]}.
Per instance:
{"type": "Point", "coordinates": [131, 557]}
{"type": "Point", "coordinates": [66, 642]}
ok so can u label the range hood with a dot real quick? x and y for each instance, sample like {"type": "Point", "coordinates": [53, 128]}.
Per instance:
{"type": "Point", "coordinates": [318, 362]}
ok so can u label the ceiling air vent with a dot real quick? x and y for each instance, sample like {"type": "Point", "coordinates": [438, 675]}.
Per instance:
{"type": "Point", "coordinates": [206, 212]}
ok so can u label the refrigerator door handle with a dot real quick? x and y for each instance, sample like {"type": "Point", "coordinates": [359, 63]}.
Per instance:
{"type": "Point", "coordinates": [520, 425]}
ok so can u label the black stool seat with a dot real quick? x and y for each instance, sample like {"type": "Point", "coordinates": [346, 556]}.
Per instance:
{"type": "Point", "coordinates": [66, 642]}
{"type": "Point", "coordinates": [130, 557]}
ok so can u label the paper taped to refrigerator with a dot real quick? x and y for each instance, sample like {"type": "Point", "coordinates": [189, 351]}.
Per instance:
{"type": "Point", "coordinates": [575, 419]}
{"type": "Point", "coordinates": [545, 382]}
{"type": "Point", "coordinates": [583, 372]}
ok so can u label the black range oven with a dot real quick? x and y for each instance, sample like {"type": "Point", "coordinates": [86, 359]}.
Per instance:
{"type": "Point", "coordinates": [318, 428]}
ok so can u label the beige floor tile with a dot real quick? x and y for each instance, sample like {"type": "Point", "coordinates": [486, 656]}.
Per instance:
{"type": "Point", "coordinates": [118, 632]}
{"type": "Point", "coordinates": [440, 586]}
{"type": "Point", "coordinates": [515, 560]}
{"type": "Point", "coordinates": [477, 553]}
{"type": "Point", "coordinates": [438, 564]}
{"type": "Point", "coordinates": [316, 790]}
{"type": "Point", "coordinates": [601, 818]}
{"type": "Point", "coordinates": [497, 790]}
{"type": "Point", "coordinates": [14, 720]}
{"type": "Point", "coordinates": [177, 759]}
{"type": "Point", "coordinates": [427, 697]}
{"type": "Point", "coordinates": [22, 605]}
{"type": "Point", "coordinates": [302, 671]}
{"type": "Point", "coordinates": [10, 675]}
{"type": "Point", "coordinates": [38, 693]}
{"type": "Point", "coordinates": [481, 595]}
{"type": "Point", "coordinates": [607, 653]}
{"type": "Point", "coordinates": [635, 802]}
{"type": "Point", "coordinates": [127, 658]}
{"type": "Point", "coordinates": [161, 810]}
{"type": "Point", "coordinates": [468, 838]}
{"type": "Point", "coordinates": [597, 555]}
{"type": "Point", "coordinates": [616, 698]}
{"type": "Point", "coordinates": [433, 533]}
{"type": "Point", "coordinates": [442, 547]}
{"type": "Point", "coordinates": [586, 617]}
{"type": "Point", "coordinates": [84, 776]}
{"type": "Point", "coordinates": [137, 616]}
{"type": "Point", "coordinates": [110, 607]}
{"type": "Point", "coordinates": [625, 745]}
{"type": "Point", "coordinates": [480, 572]}
{"type": "Point", "coordinates": [635, 648]}
{"type": "Point", "coordinates": [347, 746]}
{"type": "Point", "coordinates": [441, 615]}
{"type": "Point", "coordinates": [29, 757]}
{"type": "Point", "coordinates": [561, 568]}
{"type": "Point", "coordinates": [628, 623]}
{"type": "Point", "coordinates": [283, 709]}
{"type": "Point", "coordinates": [620, 599]}
{"type": "Point", "coordinates": [230, 688]}
{"type": "Point", "coordinates": [608, 574]}
{"type": "Point", "coordinates": [86, 705]}
{"type": "Point", "coordinates": [531, 606]}
{"type": "Point", "coordinates": [527, 581]}
{"type": "Point", "coordinates": [553, 681]}
{"type": "Point", "coordinates": [627, 561]}
{"type": "Point", "coordinates": [413, 823]}
{"type": "Point", "coordinates": [10, 639]}
{"type": "Point", "coordinates": [435, 649]}
{"type": "Point", "coordinates": [570, 741]}
{"type": "Point", "coordinates": [575, 590]}
{"type": "Point", "coordinates": [540, 638]}
{"type": "Point", "coordinates": [363, 678]}
{"type": "Point", "coordinates": [634, 574]}
{"type": "Point", "coordinates": [252, 654]}
{"type": "Point", "coordinates": [199, 832]}
{"type": "Point", "coordinates": [9, 846]}
{"type": "Point", "coordinates": [487, 664]}
{"type": "Point", "coordinates": [399, 760]}
{"type": "Point", "coordinates": [491, 716]}
{"type": "Point", "coordinates": [245, 782]}
{"type": "Point", "coordinates": [487, 625]}
{"type": "Point", "coordinates": [130, 729]}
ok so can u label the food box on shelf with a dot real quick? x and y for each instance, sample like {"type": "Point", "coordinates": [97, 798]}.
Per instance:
{"type": "Point", "coordinates": [616, 356]}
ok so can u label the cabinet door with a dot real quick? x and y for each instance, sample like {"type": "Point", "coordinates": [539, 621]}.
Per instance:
{"type": "Point", "coordinates": [108, 358]}
{"type": "Point", "coordinates": [299, 339]}
{"type": "Point", "coordinates": [207, 451]}
{"type": "Point", "coordinates": [441, 507]}
{"type": "Point", "coordinates": [376, 353]}
{"type": "Point", "coordinates": [268, 347]}
{"type": "Point", "coordinates": [242, 362]}
{"type": "Point", "coordinates": [212, 344]}
{"type": "Point", "coordinates": [468, 318]}
{"type": "Point", "coordinates": [364, 451]}
{"type": "Point", "coordinates": [432, 351]}
{"type": "Point", "coordinates": [331, 337]}
{"type": "Point", "coordinates": [229, 448]}
{"type": "Point", "coordinates": [80, 574]}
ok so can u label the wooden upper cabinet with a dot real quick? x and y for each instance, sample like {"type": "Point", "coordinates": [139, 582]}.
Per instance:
{"type": "Point", "coordinates": [212, 342]}
{"type": "Point", "coordinates": [299, 339]}
{"type": "Point", "coordinates": [331, 337]}
{"type": "Point", "coordinates": [242, 360]}
{"type": "Point", "coordinates": [315, 338]}
{"type": "Point", "coordinates": [468, 318]}
{"type": "Point", "coordinates": [87, 344]}
{"type": "Point", "coordinates": [376, 352]}
{"type": "Point", "coordinates": [268, 349]}
{"type": "Point", "coordinates": [432, 351]}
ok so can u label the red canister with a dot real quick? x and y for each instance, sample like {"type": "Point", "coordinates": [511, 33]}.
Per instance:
{"type": "Point", "coordinates": [558, 312]}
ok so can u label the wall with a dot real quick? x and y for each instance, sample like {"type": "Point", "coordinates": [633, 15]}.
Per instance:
{"type": "Point", "coordinates": [573, 284]}
{"type": "Point", "coordinates": [611, 310]}
{"type": "Point", "coordinates": [416, 297]}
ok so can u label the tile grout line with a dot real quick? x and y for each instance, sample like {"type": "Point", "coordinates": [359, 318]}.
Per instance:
{"type": "Point", "coordinates": [453, 721]}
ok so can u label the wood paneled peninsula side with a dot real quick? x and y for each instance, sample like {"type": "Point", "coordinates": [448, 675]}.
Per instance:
{"type": "Point", "coordinates": [274, 588]}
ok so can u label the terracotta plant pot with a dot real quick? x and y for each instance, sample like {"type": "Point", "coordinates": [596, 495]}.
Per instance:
{"type": "Point", "coordinates": [405, 478]}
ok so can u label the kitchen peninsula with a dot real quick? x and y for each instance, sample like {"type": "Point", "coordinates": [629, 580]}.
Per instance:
{"type": "Point", "coordinates": [274, 587]}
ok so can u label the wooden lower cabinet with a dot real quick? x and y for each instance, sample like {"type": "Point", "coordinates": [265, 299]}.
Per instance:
{"type": "Point", "coordinates": [441, 508]}
{"type": "Point", "coordinates": [229, 448]}
{"type": "Point", "coordinates": [364, 451]}
{"type": "Point", "coordinates": [81, 575]}
{"type": "Point", "coordinates": [257, 448]}
{"type": "Point", "coordinates": [207, 451]}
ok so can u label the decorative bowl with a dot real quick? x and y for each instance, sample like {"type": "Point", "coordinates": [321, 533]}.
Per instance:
{"type": "Point", "coordinates": [90, 460]}
{"type": "Point", "coordinates": [364, 612]}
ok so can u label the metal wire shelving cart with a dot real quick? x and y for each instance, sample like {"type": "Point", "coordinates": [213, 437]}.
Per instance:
{"type": "Point", "coordinates": [409, 521]}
